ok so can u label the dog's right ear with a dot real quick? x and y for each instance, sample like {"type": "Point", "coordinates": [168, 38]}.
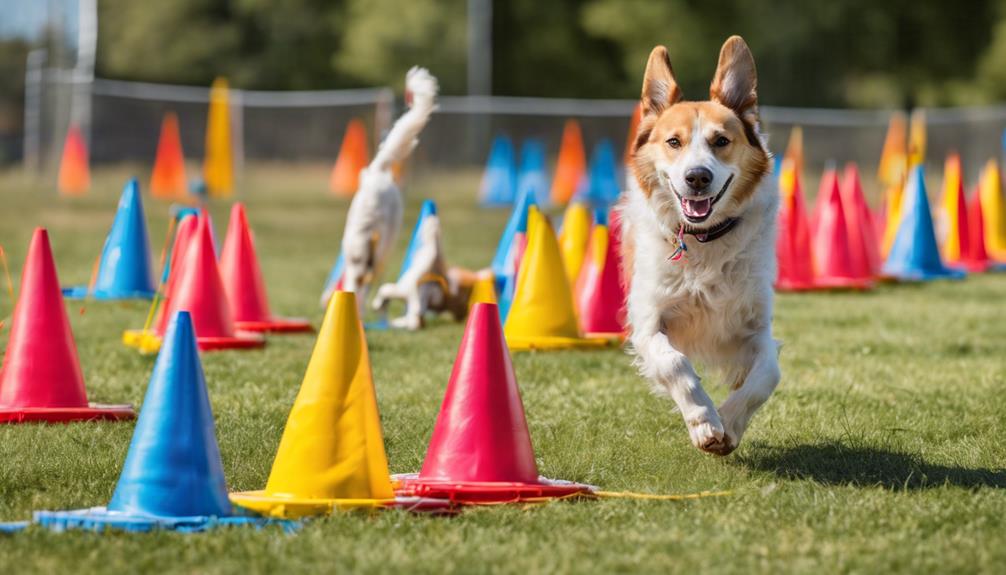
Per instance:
{"type": "Point", "coordinates": [660, 89]}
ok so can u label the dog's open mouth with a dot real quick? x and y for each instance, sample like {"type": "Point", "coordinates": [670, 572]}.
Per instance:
{"type": "Point", "coordinates": [698, 210]}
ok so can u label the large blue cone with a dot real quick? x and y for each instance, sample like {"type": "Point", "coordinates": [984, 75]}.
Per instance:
{"type": "Point", "coordinates": [914, 255]}
{"type": "Point", "coordinates": [502, 264]}
{"type": "Point", "coordinates": [429, 209]}
{"type": "Point", "coordinates": [499, 181]}
{"type": "Point", "coordinates": [603, 187]}
{"type": "Point", "coordinates": [532, 177]}
{"type": "Point", "coordinates": [125, 268]}
{"type": "Point", "coordinates": [173, 468]}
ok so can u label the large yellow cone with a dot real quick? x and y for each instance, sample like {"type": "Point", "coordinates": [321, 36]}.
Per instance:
{"type": "Point", "coordinates": [950, 212]}
{"type": "Point", "coordinates": [218, 166]}
{"type": "Point", "coordinates": [993, 211]}
{"type": "Point", "coordinates": [573, 238]}
{"type": "Point", "coordinates": [541, 315]}
{"type": "Point", "coordinates": [332, 452]}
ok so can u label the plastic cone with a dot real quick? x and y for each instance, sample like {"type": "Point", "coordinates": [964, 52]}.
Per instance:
{"type": "Point", "coordinates": [125, 270]}
{"type": "Point", "coordinates": [499, 181]}
{"type": "Point", "coordinates": [914, 255]}
{"type": "Point", "coordinates": [429, 208]}
{"type": "Point", "coordinates": [199, 290]}
{"type": "Point", "coordinates": [917, 137]}
{"type": "Point", "coordinates": [334, 280]}
{"type": "Point", "coordinates": [74, 168]}
{"type": "Point", "coordinates": [894, 156]}
{"type": "Point", "coordinates": [532, 177]}
{"type": "Point", "coordinates": [570, 166]}
{"type": "Point", "coordinates": [541, 315]}
{"type": "Point", "coordinates": [993, 211]}
{"type": "Point", "coordinates": [603, 186]}
{"type": "Point", "coordinates": [483, 291]}
{"type": "Point", "coordinates": [573, 238]}
{"type": "Point", "coordinates": [218, 166]}
{"type": "Point", "coordinates": [893, 200]}
{"type": "Point", "coordinates": [630, 139]}
{"type": "Point", "coordinates": [168, 179]}
{"type": "Point", "coordinates": [173, 477]}
{"type": "Point", "coordinates": [794, 148]}
{"type": "Point", "coordinates": [345, 178]}
{"type": "Point", "coordinates": [863, 244]}
{"type": "Point", "coordinates": [793, 246]}
{"type": "Point", "coordinates": [974, 257]}
{"type": "Point", "coordinates": [954, 215]}
{"type": "Point", "coordinates": [600, 296]}
{"type": "Point", "coordinates": [332, 452]}
{"type": "Point", "coordinates": [481, 451]}
{"type": "Point", "coordinates": [834, 262]}
{"type": "Point", "coordinates": [41, 378]}
{"type": "Point", "coordinates": [243, 283]}
{"type": "Point", "coordinates": [829, 179]}
{"type": "Point", "coordinates": [504, 264]}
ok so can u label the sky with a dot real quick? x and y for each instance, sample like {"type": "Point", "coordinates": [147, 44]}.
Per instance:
{"type": "Point", "coordinates": [26, 18]}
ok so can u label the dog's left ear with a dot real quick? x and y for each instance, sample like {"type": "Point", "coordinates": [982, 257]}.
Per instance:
{"type": "Point", "coordinates": [735, 84]}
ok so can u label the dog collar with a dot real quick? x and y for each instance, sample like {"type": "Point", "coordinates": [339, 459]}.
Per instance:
{"type": "Point", "coordinates": [716, 232]}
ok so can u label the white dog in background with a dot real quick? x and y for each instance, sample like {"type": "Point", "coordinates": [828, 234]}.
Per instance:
{"type": "Point", "coordinates": [375, 215]}
{"type": "Point", "coordinates": [699, 233]}
{"type": "Point", "coordinates": [427, 285]}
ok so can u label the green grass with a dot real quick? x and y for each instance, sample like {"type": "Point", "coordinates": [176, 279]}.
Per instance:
{"type": "Point", "coordinates": [882, 450]}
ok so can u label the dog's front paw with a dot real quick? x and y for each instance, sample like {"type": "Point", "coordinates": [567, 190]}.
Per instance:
{"type": "Point", "coordinates": [707, 434]}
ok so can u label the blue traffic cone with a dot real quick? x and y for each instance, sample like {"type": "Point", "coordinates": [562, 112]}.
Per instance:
{"type": "Point", "coordinates": [173, 477]}
{"type": "Point", "coordinates": [532, 177]}
{"type": "Point", "coordinates": [503, 262]}
{"type": "Point", "coordinates": [124, 271]}
{"type": "Point", "coordinates": [914, 255]}
{"type": "Point", "coordinates": [602, 186]}
{"type": "Point", "coordinates": [429, 209]}
{"type": "Point", "coordinates": [333, 282]}
{"type": "Point", "coordinates": [499, 181]}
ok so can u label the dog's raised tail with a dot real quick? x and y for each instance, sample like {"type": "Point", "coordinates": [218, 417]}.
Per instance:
{"type": "Point", "coordinates": [402, 139]}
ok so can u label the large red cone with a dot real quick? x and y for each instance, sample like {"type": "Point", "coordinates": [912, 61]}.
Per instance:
{"type": "Point", "coordinates": [481, 450]}
{"type": "Point", "coordinates": [41, 378]}
{"type": "Point", "coordinates": [828, 180]}
{"type": "Point", "coordinates": [863, 244]}
{"type": "Point", "coordinates": [200, 291]}
{"type": "Point", "coordinates": [600, 298]}
{"type": "Point", "coordinates": [243, 281]}
{"type": "Point", "coordinates": [183, 238]}
{"type": "Point", "coordinates": [796, 264]}
{"type": "Point", "coordinates": [833, 256]}
{"type": "Point", "coordinates": [974, 257]}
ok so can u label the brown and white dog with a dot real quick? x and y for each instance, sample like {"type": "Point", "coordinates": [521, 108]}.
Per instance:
{"type": "Point", "coordinates": [699, 243]}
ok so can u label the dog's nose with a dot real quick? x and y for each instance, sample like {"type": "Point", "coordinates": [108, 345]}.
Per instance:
{"type": "Point", "coordinates": [699, 178]}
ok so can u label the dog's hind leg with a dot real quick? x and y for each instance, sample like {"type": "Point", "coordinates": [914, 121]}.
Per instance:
{"type": "Point", "coordinates": [762, 378]}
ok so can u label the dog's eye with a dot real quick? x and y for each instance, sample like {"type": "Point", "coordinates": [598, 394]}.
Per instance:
{"type": "Point", "coordinates": [721, 142]}
{"type": "Point", "coordinates": [674, 143]}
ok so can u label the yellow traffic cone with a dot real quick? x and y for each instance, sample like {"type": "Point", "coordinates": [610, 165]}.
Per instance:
{"type": "Point", "coordinates": [483, 290]}
{"type": "Point", "coordinates": [892, 196]}
{"type": "Point", "coordinates": [332, 452]}
{"type": "Point", "coordinates": [794, 149]}
{"type": "Point", "coordinates": [218, 166]}
{"type": "Point", "coordinates": [542, 315]}
{"type": "Point", "coordinates": [993, 211]}
{"type": "Point", "coordinates": [949, 216]}
{"type": "Point", "coordinates": [573, 238]}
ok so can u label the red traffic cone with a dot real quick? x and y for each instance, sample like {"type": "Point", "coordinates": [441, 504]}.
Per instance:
{"type": "Point", "coordinates": [243, 281]}
{"type": "Point", "coordinates": [599, 295]}
{"type": "Point", "coordinates": [199, 290]}
{"type": "Point", "coordinates": [183, 239]}
{"type": "Point", "coordinates": [974, 257]}
{"type": "Point", "coordinates": [835, 268]}
{"type": "Point", "coordinates": [41, 378]}
{"type": "Point", "coordinates": [481, 450]}
{"type": "Point", "coordinates": [863, 244]}
{"type": "Point", "coordinates": [796, 264]}
{"type": "Point", "coordinates": [828, 178]}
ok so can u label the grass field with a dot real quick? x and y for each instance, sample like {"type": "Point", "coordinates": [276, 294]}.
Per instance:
{"type": "Point", "coordinates": [882, 450]}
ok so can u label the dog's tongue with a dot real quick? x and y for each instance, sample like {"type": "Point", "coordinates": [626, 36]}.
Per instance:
{"type": "Point", "coordinates": [697, 208]}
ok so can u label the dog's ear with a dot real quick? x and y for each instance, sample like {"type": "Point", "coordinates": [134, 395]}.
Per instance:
{"type": "Point", "coordinates": [660, 89]}
{"type": "Point", "coordinates": [735, 84]}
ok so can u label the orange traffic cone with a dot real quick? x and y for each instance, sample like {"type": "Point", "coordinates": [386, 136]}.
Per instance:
{"type": "Point", "coordinates": [168, 178]}
{"type": "Point", "coordinates": [74, 171]}
{"type": "Point", "coordinates": [571, 165]}
{"type": "Point", "coordinates": [345, 178]}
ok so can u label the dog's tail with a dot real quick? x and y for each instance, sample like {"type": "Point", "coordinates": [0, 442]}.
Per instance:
{"type": "Point", "coordinates": [422, 87]}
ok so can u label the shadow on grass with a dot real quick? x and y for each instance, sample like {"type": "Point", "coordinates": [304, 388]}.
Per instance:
{"type": "Point", "coordinates": [837, 464]}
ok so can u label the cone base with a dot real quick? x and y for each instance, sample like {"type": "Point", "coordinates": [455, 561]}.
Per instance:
{"type": "Point", "coordinates": [843, 283]}
{"type": "Point", "coordinates": [795, 286]}
{"type": "Point", "coordinates": [82, 292]}
{"type": "Point", "coordinates": [101, 519]}
{"type": "Point", "coordinates": [924, 275]}
{"type": "Point", "coordinates": [276, 325]}
{"type": "Point", "coordinates": [149, 342]}
{"type": "Point", "coordinates": [612, 337]}
{"type": "Point", "coordinates": [544, 343]}
{"type": "Point", "coordinates": [977, 267]}
{"type": "Point", "coordinates": [487, 492]}
{"type": "Point", "coordinates": [93, 412]}
{"type": "Point", "coordinates": [279, 506]}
